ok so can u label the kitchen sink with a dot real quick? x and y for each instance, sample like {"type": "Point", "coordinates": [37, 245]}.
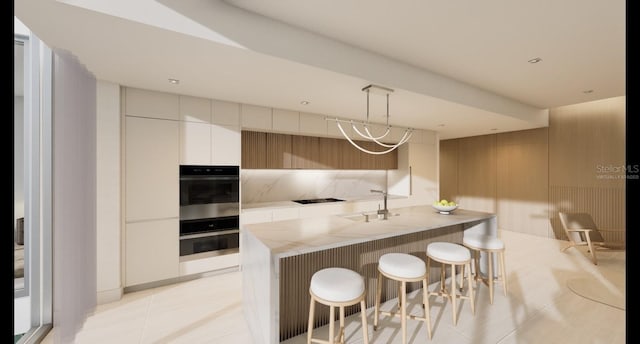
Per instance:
{"type": "Point", "coordinates": [318, 200]}
{"type": "Point", "coordinates": [367, 217]}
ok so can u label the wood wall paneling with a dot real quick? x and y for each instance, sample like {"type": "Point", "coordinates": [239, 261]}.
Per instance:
{"type": "Point", "coordinates": [448, 169]}
{"type": "Point", "coordinates": [587, 162]}
{"type": "Point", "coordinates": [523, 181]}
{"type": "Point", "coordinates": [477, 173]}
{"type": "Point", "coordinates": [577, 164]}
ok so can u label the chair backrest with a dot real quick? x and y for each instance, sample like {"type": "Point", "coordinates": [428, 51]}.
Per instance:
{"type": "Point", "coordinates": [580, 221]}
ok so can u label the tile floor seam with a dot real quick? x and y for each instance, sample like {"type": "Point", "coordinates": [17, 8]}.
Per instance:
{"type": "Point", "coordinates": [146, 318]}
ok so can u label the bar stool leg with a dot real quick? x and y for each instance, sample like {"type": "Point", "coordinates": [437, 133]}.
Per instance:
{"type": "Point", "coordinates": [312, 307]}
{"type": "Point", "coordinates": [377, 306]}
{"type": "Point", "coordinates": [490, 277]}
{"type": "Point", "coordinates": [400, 302]}
{"type": "Point", "coordinates": [404, 312]}
{"type": "Point", "coordinates": [365, 330]}
{"type": "Point", "coordinates": [453, 294]}
{"type": "Point", "coordinates": [470, 292]}
{"type": "Point", "coordinates": [332, 317]}
{"type": "Point", "coordinates": [425, 303]}
{"type": "Point", "coordinates": [341, 334]}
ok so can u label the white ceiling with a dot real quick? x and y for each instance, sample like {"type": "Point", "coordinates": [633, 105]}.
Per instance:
{"type": "Point", "coordinates": [461, 64]}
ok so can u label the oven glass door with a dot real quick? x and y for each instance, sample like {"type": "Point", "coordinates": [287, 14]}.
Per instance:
{"type": "Point", "coordinates": [219, 242]}
{"type": "Point", "coordinates": [208, 189]}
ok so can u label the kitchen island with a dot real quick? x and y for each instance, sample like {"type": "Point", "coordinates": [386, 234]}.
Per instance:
{"type": "Point", "coordinates": [279, 258]}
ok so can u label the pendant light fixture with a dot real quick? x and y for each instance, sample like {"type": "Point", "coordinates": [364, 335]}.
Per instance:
{"type": "Point", "coordinates": [365, 133]}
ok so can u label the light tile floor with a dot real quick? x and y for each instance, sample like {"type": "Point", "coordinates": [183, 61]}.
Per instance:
{"type": "Point", "coordinates": [539, 307]}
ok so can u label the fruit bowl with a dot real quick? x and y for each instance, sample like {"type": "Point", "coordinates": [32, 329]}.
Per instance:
{"type": "Point", "coordinates": [444, 209]}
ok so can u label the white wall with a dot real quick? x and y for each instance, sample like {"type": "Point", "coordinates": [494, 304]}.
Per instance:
{"type": "Point", "coordinates": [108, 248]}
{"type": "Point", "coordinates": [74, 195]}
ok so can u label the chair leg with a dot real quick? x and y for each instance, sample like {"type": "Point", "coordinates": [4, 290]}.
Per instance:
{"type": "Point", "coordinates": [461, 278]}
{"type": "Point", "coordinates": [311, 311]}
{"type": "Point", "coordinates": [365, 329]}
{"type": "Point", "coordinates": [591, 250]}
{"type": "Point", "coordinates": [377, 305]}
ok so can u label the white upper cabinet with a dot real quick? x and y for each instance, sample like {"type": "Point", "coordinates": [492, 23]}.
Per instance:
{"type": "Point", "coordinates": [312, 124]}
{"type": "Point", "coordinates": [194, 109]}
{"type": "Point", "coordinates": [225, 113]}
{"type": "Point", "coordinates": [286, 121]}
{"type": "Point", "coordinates": [255, 117]}
{"type": "Point", "coordinates": [151, 168]}
{"type": "Point", "coordinates": [195, 143]}
{"type": "Point", "coordinates": [144, 103]}
{"type": "Point", "coordinates": [225, 145]}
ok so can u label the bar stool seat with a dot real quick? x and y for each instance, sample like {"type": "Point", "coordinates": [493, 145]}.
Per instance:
{"type": "Point", "coordinates": [336, 287]}
{"type": "Point", "coordinates": [403, 268]}
{"type": "Point", "coordinates": [491, 245]}
{"type": "Point", "coordinates": [447, 253]}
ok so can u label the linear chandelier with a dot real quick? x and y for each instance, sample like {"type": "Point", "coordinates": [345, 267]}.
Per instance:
{"type": "Point", "coordinates": [365, 125]}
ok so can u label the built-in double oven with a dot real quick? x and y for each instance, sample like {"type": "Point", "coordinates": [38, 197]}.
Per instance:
{"type": "Point", "coordinates": [209, 210]}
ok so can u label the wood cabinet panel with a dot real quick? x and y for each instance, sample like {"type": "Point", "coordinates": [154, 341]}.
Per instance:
{"type": "Point", "coordinates": [330, 153]}
{"type": "Point", "coordinates": [306, 152]}
{"type": "Point", "coordinates": [274, 151]}
{"type": "Point", "coordinates": [278, 150]}
{"type": "Point", "coordinates": [254, 149]}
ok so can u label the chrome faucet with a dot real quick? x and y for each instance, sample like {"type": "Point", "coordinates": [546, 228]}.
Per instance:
{"type": "Point", "coordinates": [384, 212]}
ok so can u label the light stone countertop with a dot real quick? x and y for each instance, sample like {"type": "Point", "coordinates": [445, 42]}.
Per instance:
{"type": "Point", "coordinates": [299, 236]}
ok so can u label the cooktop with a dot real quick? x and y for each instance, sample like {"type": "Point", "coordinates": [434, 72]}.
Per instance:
{"type": "Point", "coordinates": [318, 200]}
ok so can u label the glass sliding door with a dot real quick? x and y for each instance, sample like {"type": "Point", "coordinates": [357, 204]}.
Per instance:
{"type": "Point", "coordinates": [32, 188]}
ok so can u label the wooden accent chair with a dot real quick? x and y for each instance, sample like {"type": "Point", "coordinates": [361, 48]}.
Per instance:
{"type": "Point", "coordinates": [582, 231]}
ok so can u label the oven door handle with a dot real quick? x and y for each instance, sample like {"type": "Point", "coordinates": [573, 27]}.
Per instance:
{"type": "Point", "coordinates": [208, 234]}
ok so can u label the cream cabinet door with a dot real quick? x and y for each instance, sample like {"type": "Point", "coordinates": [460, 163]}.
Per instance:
{"type": "Point", "coordinates": [151, 169]}
{"type": "Point", "coordinates": [152, 251]}
{"type": "Point", "coordinates": [195, 143]}
{"type": "Point", "coordinates": [145, 103]}
{"type": "Point", "coordinates": [225, 145]}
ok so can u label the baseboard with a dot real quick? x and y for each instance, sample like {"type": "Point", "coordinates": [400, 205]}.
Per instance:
{"type": "Point", "coordinates": [106, 296]}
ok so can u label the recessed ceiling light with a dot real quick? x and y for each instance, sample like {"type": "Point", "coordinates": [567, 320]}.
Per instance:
{"type": "Point", "coordinates": [535, 60]}
{"type": "Point", "coordinates": [174, 81]}
{"type": "Point", "coordinates": [304, 102]}
{"type": "Point", "coordinates": [587, 91]}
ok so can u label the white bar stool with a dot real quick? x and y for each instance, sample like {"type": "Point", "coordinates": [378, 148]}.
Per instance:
{"type": "Point", "coordinates": [491, 245]}
{"type": "Point", "coordinates": [336, 287]}
{"type": "Point", "coordinates": [403, 268]}
{"type": "Point", "coordinates": [447, 253]}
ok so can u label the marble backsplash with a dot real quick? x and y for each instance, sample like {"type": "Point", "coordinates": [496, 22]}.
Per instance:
{"type": "Point", "coordinates": [284, 185]}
